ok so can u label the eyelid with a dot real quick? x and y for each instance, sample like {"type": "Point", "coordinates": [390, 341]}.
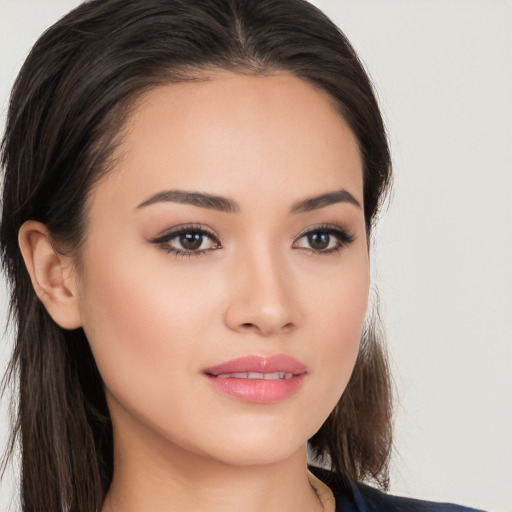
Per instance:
{"type": "Point", "coordinates": [170, 233]}
{"type": "Point", "coordinates": [163, 240]}
{"type": "Point", "coordinates": [344, 236]}
{"type": "Point", "coordinates": [326, 226]}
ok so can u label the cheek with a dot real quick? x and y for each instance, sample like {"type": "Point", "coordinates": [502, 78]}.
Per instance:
{"type": "Point", "coordinates": [339, 314]}
{"type": "Point", "coordinates": [339, 307]}
{"type": "Point", "coordinates": [141, 322]}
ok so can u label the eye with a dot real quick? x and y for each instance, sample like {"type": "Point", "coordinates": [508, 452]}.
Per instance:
{"type": "Point", "coordinates": [188, 241]}
{"type": "Point", "coordinates": [324, 239]}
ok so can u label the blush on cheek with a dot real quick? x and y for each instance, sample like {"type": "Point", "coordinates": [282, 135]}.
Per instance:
{"type": "Point", "coordinates": [133, 318]}
{"type": "Point", "coordinates": [117, 319]}
{"type": "Point", "coordinates": [342, 318]}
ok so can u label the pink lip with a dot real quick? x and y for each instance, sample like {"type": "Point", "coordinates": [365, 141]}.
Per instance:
{"type": "Point", "coordinates": [258, 390]}
{"type": "Point", "coordinates": [260, 364]}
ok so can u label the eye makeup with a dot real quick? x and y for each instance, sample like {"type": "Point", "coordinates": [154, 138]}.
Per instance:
{"type": "Point", "coordinates": [323, 239]}
{"type": "Point", "coordinates": [188, 240]}
{"type": "Point", "coordinates": [196, 240]}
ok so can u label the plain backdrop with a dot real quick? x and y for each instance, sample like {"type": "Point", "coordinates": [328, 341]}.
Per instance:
{"type": "Point", "coordinates": [442, 263]}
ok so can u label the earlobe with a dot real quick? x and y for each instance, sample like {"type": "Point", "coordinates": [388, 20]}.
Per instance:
{"type": "Point", "coordinates": [52, 274]}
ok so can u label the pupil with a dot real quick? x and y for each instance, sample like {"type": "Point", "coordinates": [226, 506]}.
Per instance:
{"type": "Point", "coordinates": [319, 241]}
{"type": "Point", "coordinates": [191, 241]}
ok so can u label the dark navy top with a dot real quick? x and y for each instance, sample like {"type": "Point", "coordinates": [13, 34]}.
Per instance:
{"type": "Point", "coordinates": [363, 498]}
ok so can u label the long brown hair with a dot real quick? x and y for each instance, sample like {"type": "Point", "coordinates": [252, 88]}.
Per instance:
{"type": "Point", "coordinates": [67, 106]}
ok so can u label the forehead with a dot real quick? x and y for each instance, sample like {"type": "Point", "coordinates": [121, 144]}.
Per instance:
{"type": "Point", "coordinates": [231, 133]}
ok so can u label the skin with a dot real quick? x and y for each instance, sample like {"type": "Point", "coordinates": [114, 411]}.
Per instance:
{"type": "Point", "coordinates": [155, 320]}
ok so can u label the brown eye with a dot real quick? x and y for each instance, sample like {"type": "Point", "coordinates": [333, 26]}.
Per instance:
{"type": "Point", "coordinates": [319, 241]}
{"type": "Point", "coordinates": [191, 241]}
{"type": "Point", "coordinates": [324, 240]}
{"type": "Point", "coordinates": [188, 241]}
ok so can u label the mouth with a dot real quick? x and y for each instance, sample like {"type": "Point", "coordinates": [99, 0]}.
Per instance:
{"type": "Point", "coordinates": [255, 375]}
{"type": "Point", "coordinates": [256, 379]}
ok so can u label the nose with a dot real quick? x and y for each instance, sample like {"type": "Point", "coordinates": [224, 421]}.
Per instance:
{"type": "Point", "coordinates": [262, 298]}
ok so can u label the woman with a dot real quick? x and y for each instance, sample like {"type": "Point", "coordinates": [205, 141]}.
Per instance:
{"type": "Point", "coordinates": [190, 189]}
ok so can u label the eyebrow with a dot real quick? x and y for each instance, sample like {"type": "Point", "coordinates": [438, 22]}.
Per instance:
{"type": "Point", "coordinates": [321, 201]}
{"type": "Point", "coordinates": [224, 204]}
{"type": "Point", "coordinates": [209, 201]}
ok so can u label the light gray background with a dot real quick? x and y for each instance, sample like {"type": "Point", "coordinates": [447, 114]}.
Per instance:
{"type": "Point", "coordinates": [443, 71]}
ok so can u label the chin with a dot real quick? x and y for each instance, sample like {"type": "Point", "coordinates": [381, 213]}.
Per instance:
{"type": "Point", "coordinates": [257, 447]}
{"type": "Point", "coordinates": [244, 455]}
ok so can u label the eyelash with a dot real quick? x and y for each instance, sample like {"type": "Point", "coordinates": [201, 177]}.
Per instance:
{"type": "Point", "coordinates": [164, 240]}
{"type": "Point", "coordinates": [342, 236]}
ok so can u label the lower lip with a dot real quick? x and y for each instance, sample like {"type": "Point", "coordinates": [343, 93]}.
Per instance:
{"type": "Point", "coordinates": [257, 391]}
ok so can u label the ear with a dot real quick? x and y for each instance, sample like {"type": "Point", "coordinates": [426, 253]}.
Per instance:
{"type": "Point", "coordinates": [52, 274]}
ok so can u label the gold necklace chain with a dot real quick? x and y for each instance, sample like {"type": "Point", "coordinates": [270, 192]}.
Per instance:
{"type": "Point", "coordinates": [323, 492]}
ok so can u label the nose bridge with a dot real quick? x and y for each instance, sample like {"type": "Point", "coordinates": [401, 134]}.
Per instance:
{"type": "Point", "coordinates": [263, 299]}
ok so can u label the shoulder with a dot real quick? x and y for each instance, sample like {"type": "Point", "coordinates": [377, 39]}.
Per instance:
{"type": "Point", "coordinates": [369, 499]}
{"type": "Point", "coordinates": [358, 497]}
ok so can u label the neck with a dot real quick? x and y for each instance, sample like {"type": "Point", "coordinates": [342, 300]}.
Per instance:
{"type": "Point", "coordinates": [154, 474]}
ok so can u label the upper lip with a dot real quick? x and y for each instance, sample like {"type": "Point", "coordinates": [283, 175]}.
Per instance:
{"type": "Point", "coordinates": [259, 364]}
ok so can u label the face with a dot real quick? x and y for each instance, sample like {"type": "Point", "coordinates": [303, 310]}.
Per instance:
{"type": "Point", "coordinates": [224, 281]}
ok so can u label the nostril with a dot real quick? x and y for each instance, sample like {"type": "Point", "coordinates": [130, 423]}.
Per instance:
{"type": "Point", "coordinates": [249, 326]}
{"type": "Point", "coordinates": [287, 327]}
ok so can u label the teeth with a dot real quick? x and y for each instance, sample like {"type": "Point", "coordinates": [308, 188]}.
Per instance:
{"type": "Point", "coordinates": [256, 375]}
